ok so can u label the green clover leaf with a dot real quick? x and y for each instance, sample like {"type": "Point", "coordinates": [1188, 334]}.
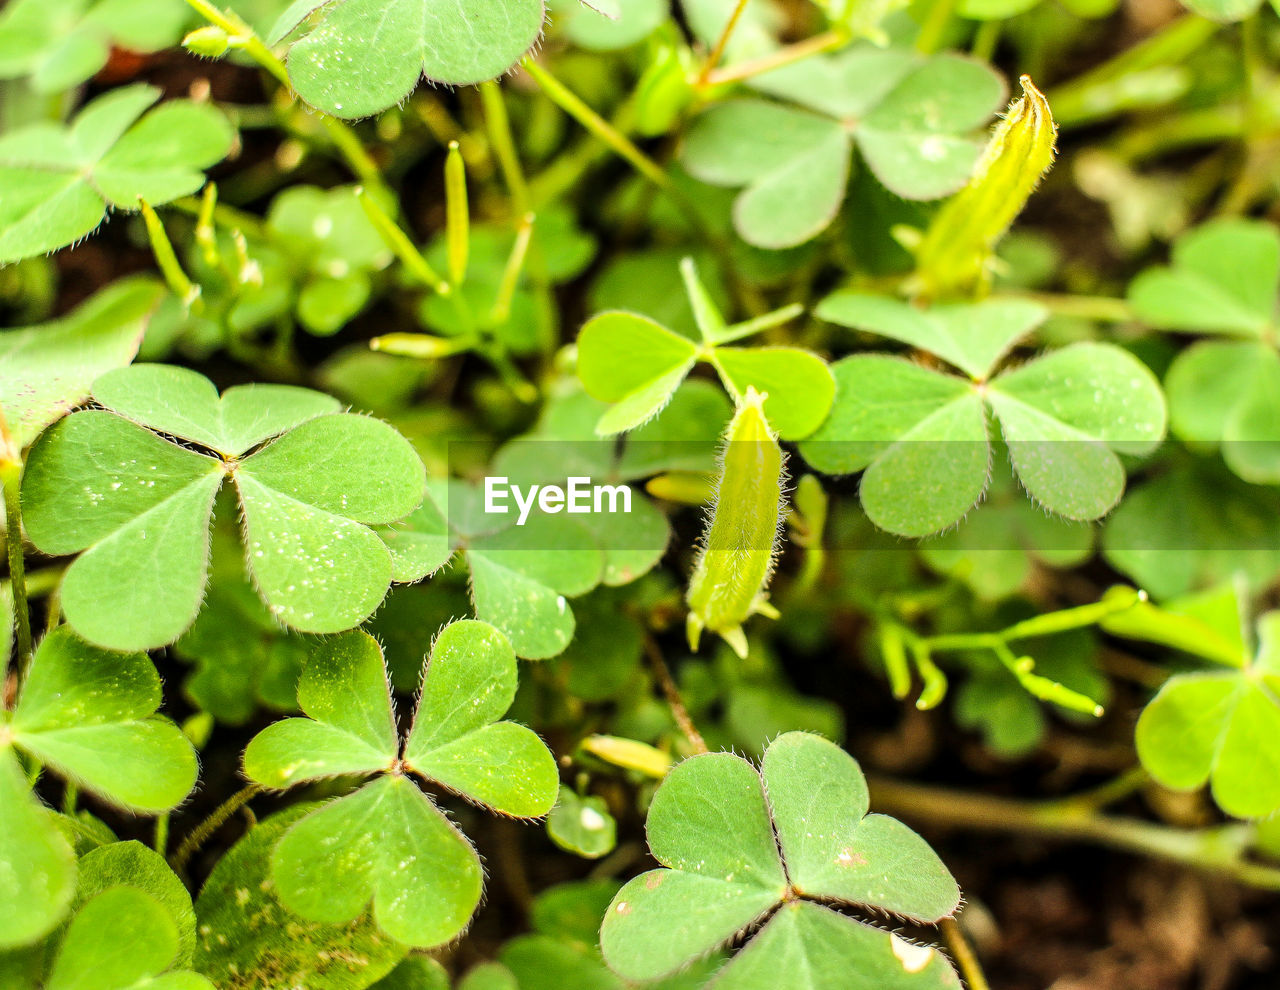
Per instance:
{"type": "Point", "coordinates": [241, 942]}
{"type": "Point", "coordinates": [48, 370]}
{"type": "Point", "coordinates": [121, 939]}
{"type": "Point", "coordinates": [921, 435]}
{"type": "Point", "coordinates": [909, 117]}
{"type": "Point", "coordinates": [723, 831]}
{"type": "Point", "coordinates": [59, 44]}
{"type": "Point", "coordinates": [90, 716]}
{"type": "Point", "coordinates": [1192, 525]}
{"type": "Point", "coordinates": [37, 863]}
{"type": "Point", "coordinates": [1223, 281]}
{"type": "Point", "coordinates": [364, 56]}
{"type": "Point", "coordinates": [1221, 728]}
{"type": "Point", "coordinates": [637, 364]}
{"type": "Point", "coordinates": [58, 182]}
{"type": "Point", "coordinates": [138, 505]}
{"type": "Point", "coordinates": [387, 842]}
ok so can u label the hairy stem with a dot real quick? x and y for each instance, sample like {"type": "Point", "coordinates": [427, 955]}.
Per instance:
{"type": "Point", "coordinates": [964, 955]}
{"type": "Point", "coordinates": [201, 833]}
{"type": "Point", "coordinates": [819, 43]}
{"type": "Point", "coordinates": [681, 714]}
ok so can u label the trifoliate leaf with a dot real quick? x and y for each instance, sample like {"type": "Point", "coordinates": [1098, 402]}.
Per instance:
{"type": "Point", "coordinates": [90, 715]}
{"type": "Point", "coordinates": [57, 182]}
{"type": "Point", "coordinates": [712, 825]}
{"type": "Point", "coordinates": [141, 504]}
{"type": "Point", "coordinates": [59, 44]}
{"type": "Point", "coordinates": [909, 118]}
{"type": "Point", "coordinates": [388, 842]}
{"type": "Point", "coordinates": [921, 435]}
{"type": "Point", "coordinates": [364, 56]}
{"type": "Point", "coordinates": [48, 370]}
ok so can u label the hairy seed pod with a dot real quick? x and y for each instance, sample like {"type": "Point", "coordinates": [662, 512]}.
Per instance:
{"type": "Point", "coordinates": [737, 555]}
{"type": "Point", "coordinates": [954, 258]}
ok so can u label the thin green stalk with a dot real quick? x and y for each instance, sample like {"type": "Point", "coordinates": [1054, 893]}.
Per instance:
{"type": "Point", "coordinates": [457, 215]}
{"type": "Point", "coordinates": [717, 53]}
{"type": "Point", "coordinates": [400, 244]}
{"type": "Point", "coordinates": [174, 275]}
{"type": "Point", "coordinates": [572, 104]}
{"type": "Point", "coordinates": [10, 478]}
{"type": "Point", "coordinates": [985, 40]}
{"type": "Point", "coordinates": [161, 841]}
{"type": "Point", "coordinates": [1105, 309]}
{"type": "Point", "coordinates": [826, 41]}
{"type": "Point", "coordinates": [201, 833]}
{"type": "Point", "coordinates": [503, 142]}
{"type": "Point", "coordinates": [937, 20]}
{"type": "Point", "coordinates": [511, 273]}
{"type": "Point", "coordinates": [965, 957]}
{"type": "Point", "coordinates": [70, 798]}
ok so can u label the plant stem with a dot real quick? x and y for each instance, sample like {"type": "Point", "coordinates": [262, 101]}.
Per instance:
{"type": "Point", "coordinates": [1221, 850]}
{"type": "Point", "coordinates": [678, 710]}
{"type": "Point", "coordinates": [242, 37]}
{"type": "Point", "coordinates": [1104, 309]}
{"type": "Point", "coordinates": [10, 478]}
{"type": "Point", "coordinates": [938, 17]}
{"type": "Point", "coordinates": [504, 146]}
{"type": "Point", "coordinates": [201, 833]}
{"type": "Point", "coordinates": [161, 841]}
{"type": "Point", "coordinates": [573, 105]}
{"type": "Point", "coordinates": [819, 43]}
{"type": "Point", "coordinates": [964, 955]}
{"type": "Point", "coordinates": [717, 53]}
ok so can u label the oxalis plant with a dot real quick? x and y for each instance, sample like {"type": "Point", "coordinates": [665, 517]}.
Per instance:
{"type": "Point", "coordinates": [482, 479]}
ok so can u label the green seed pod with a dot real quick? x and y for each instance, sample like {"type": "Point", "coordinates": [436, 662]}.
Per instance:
{"type": "Point", "coordinates": [209, 41]}
{"type": "Point", "coordinates": [954, 258]}
{"type": "Point", "coordinates": [741, 543]}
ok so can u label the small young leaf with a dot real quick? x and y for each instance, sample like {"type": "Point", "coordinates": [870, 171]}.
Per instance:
{"type": "Point", "coordinates": [631, 360]}
{"type": "Point", "coordinates": [57, 183]}
{"type": "Point", "coordinates": [582, 825]}
{"type": "Point", "coordinates": [90, 715]}
{"type": "Point", "coordinates": [797, 385]}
